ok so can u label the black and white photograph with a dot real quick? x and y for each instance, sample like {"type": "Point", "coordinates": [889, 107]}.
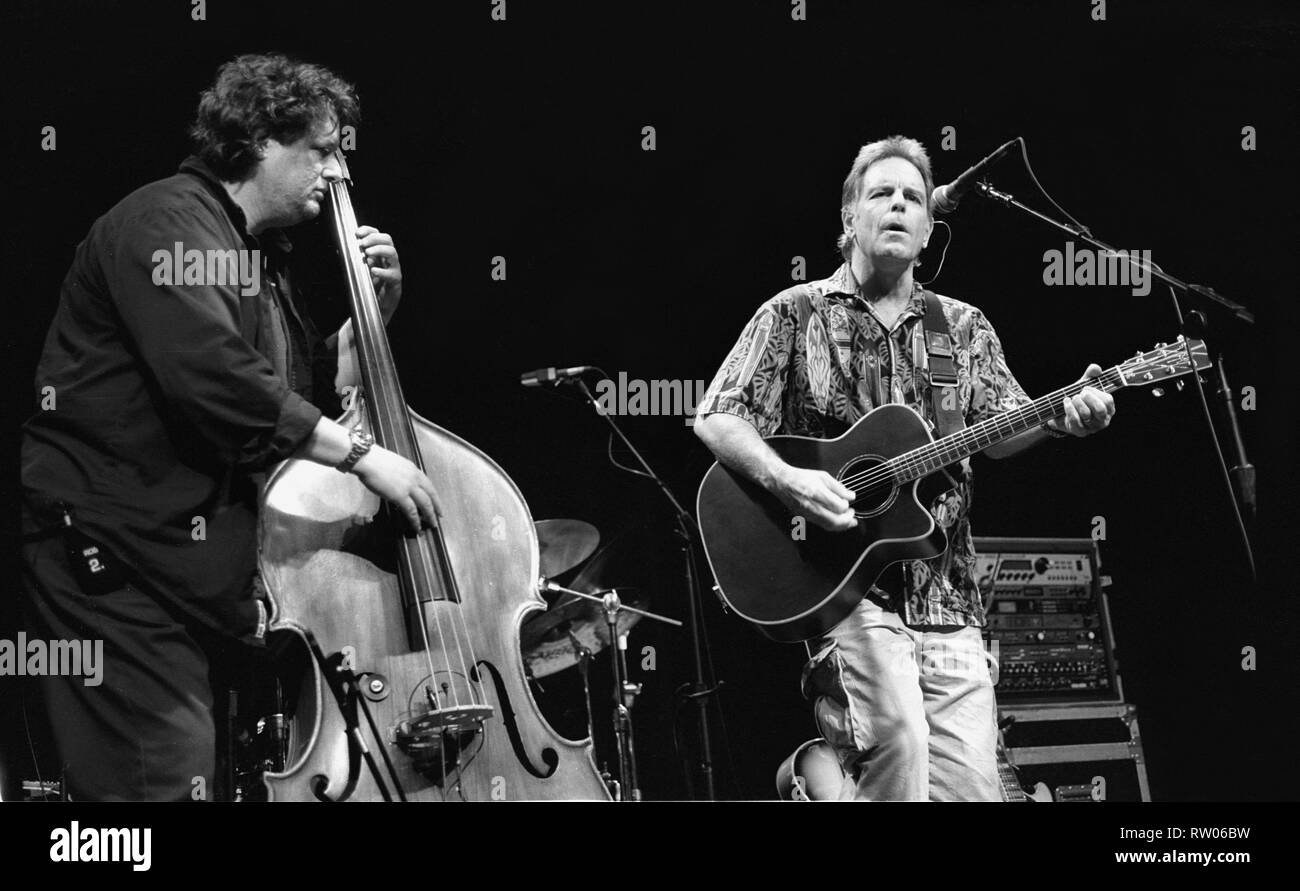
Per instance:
{"type": "Point", "coordinates": [695, 409]}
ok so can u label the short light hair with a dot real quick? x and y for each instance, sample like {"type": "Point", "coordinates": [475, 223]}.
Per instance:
{"type": "Point", "coordinates": [891, 147]}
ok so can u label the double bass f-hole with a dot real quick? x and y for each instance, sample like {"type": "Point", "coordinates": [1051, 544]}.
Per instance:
{"type": "Point", "coordinates": [549, 756]}
{"type": "Point", "coordinates": [395, 704]}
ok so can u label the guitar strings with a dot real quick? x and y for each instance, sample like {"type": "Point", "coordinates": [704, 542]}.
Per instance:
{"type": "Point", "coordinates": [951, 448]}
{"type": "Point", "coordinates": [915, 458]}
{"type": "Point", "coordinates": [921, 460]}
{"type": "Point", "coordinates": [915, 463]}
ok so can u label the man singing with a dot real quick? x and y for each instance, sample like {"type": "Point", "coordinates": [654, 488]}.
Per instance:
{"type": "Point", "coordinates": [167, 393]}
{"type": "Point", "coordinates": [903, 689]}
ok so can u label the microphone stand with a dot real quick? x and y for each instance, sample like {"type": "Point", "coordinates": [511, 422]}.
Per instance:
{"type": "Point", "coordinates": [1243, 473]}
{"type": "Point", "coordinates": [985, 188]}
{"type": "Point", "coordinates": [700, 690]}
{"type": "Point", "coordinates": [1241, 479]}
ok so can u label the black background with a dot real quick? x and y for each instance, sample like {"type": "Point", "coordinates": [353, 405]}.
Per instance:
{"type": "Point", "coordinates": [523, 139]}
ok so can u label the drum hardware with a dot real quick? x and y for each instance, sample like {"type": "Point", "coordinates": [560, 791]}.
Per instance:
{"type": "Point", "coordinates": [584, 666]}
{"type": "Point", "coordinates": [615, 787]}
{"type": "Point", "coordinates": [625, 692]}
{"type": "Point", "coordinates": [621, 565]}
{"type": "Point", "coordinates": [575, 627]}
{"type": "Point", "coordinates": [255, 747]}
{"type": "Point", "coordinates": [603, 600]}
{"type": "Point", "coordinates": [702, 686]}
{"type": "Point", "coordinates": [544, 638]}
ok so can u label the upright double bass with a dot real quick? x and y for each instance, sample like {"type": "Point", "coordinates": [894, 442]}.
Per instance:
{"type": "Point", "coordinates": [415, 689]}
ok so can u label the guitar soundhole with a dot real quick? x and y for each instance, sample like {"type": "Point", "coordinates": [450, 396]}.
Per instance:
{"type": "Point", "coordinates": [875, 488]}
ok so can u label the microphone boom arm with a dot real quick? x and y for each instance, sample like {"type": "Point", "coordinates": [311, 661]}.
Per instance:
{"type": "Point", "coordinates": [1241, 312]}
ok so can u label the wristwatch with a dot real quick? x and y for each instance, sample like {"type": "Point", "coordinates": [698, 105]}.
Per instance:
{"type": "Point", "coordinates": [361, 443]}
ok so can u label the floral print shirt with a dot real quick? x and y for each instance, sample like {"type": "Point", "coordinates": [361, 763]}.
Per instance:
{"type": "Point", "coordinates": [818, 375]}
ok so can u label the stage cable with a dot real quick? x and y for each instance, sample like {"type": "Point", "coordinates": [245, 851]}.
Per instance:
{"type": "Point", "coordinates": [1029, 168]}
{"type": "Point", "coordinates": [942, 256]}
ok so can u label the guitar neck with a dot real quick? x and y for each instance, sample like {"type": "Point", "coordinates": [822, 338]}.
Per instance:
{"type": "Point", "coordinates": [1010, 782]}
{"type": "Point", "coordinates": [952, 448]}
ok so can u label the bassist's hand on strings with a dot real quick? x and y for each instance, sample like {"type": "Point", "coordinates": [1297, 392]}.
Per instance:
{"type": "Point", "coordinates": [816, 496]}
{"type": "Point", "coordinates": [397, 480]}
{"type": "Point", "coordinates": [385, 267]}
{"type": "Point", "coordinates": [401, 483]}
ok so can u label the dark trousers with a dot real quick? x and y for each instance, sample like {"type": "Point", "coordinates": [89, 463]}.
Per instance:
{"type": "Point", "coordinates": [145, 733]}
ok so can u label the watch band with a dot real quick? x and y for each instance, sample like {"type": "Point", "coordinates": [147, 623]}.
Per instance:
{"type": "Point", "coordinates": [361, 443]}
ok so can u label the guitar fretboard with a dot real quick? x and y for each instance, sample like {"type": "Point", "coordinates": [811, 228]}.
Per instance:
{"type": "Point", "coordinates": [1010, 782]}
{"type": "Point", "coordinates": [950, 449]}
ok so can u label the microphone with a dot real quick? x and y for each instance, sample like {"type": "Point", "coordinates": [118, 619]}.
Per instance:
{"type": "Point", "coordinates": [552, 376]}
{"type": "Point", "coordinates": [946, 197]}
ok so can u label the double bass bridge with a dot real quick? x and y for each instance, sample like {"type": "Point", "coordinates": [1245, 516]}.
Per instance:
{"type": "Point", "coordinates": [437, 740]}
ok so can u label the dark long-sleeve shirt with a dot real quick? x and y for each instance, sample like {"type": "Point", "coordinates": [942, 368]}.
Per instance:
{"type": "Point", "coordinates": [165, 392]}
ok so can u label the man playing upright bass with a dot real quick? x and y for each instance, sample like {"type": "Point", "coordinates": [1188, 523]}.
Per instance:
{"type": "Point", "coordinates": [179, 384]}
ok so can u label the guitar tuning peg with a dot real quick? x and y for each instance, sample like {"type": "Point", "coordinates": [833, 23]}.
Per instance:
{"type": "Point", "coordinates": [1161, 346]}
{"type": "Point", "coordinates": [1157, 392]}
{"type": "Point", "coordinates": [1178, 385]}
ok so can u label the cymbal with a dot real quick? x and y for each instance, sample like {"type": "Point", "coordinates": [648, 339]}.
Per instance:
{"type": "Point", "coordinates": [545, 640]}
{"type": "Point", "coordinates": [642, 563]}
{"type": "Point", "coordinates": [568, 612]}
{"type": "Point", "coordinates": [563, 544]}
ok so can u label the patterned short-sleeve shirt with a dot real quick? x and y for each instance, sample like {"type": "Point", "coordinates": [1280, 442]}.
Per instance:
{"type": "Point", "coordinates": [818, 377]}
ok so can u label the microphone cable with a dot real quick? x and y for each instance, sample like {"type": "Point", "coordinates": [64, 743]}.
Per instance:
{"type": "Point", "coordinates": [1196, 377]}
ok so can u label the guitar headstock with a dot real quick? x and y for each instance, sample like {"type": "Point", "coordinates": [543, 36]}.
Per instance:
{"type": "Point", "coordinates": [1165, 362]}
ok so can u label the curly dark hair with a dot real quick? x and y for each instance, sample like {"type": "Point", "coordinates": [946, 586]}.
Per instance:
{"type": "Point", "coordinates": [256, 97]}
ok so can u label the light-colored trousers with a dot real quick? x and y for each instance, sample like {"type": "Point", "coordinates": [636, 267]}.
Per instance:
{"type": "Point", "coordinates": [913, 718]}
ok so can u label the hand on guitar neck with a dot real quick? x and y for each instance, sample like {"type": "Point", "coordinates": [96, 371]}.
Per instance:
{"type": "Point", "coordinates": [1087, 412]}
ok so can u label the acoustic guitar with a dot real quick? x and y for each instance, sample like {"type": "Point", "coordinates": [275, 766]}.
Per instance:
{"type": "Point", "coordinates": [796, 581]}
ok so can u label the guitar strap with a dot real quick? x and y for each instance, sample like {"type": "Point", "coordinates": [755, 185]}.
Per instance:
{"type": "Point", "coordinates": [941, 367]}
